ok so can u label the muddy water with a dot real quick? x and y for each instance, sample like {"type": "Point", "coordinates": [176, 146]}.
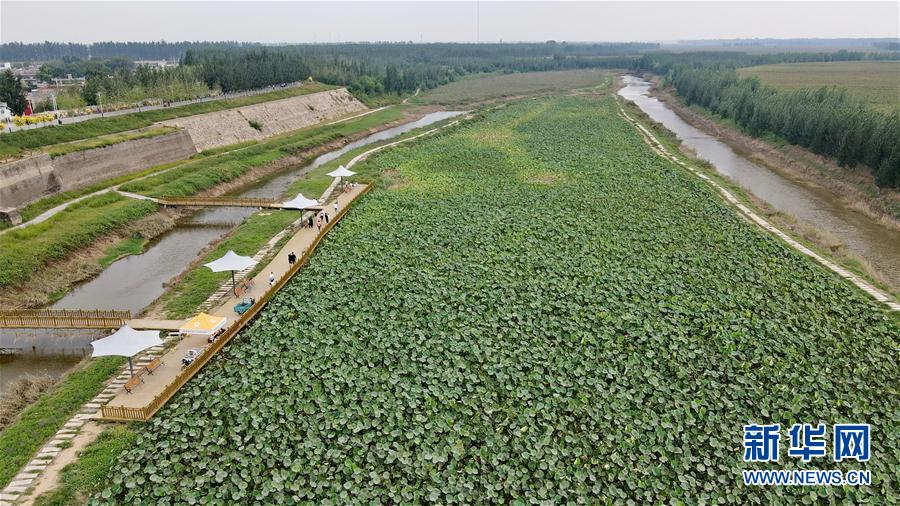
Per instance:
{"type": "Point", "coordinates": [136, 281]}
{"type": "Point", "coordinates": [815, 207]}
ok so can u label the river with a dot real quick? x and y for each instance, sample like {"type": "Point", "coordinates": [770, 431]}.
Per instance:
{"type": "Point", "coordinates": [814, 207]}
{"type": "Point", "coordinates": [134, 282]}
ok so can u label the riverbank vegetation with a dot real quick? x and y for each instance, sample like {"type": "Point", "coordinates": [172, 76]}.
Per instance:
{"type": "Point", "coordinates": [87, 474]}
{"type": "Point", "coordinates": [21, 439]}
{"type": "Point", "coordinates": [106, 140]}
{"type": "Point", "coordinates": [829, 122]}
{"type": "Point", "coordinates": [26, 250]}
{"type": "Point", "coordinates": [488, 370]}
{"type": "Point", "coordinates": [205, 173]}
{"type": "Point", "coordinates": [877, 83]}
{"type": "Point", "coordinates": [14, 143]}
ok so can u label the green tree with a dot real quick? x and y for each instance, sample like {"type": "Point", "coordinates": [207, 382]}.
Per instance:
{"type": "Point", "coordinates": [12, 91]}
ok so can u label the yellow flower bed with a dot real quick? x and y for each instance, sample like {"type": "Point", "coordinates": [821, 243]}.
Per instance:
{"type": "Point", "coordinates": [31, 120]}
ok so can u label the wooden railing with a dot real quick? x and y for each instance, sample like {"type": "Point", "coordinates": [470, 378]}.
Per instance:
{"type": "Point", "coordinates": [64, 318]}
{"type": "Point", "coordinates": [118, 413]}
{"type": "Point", "coordinates": [219, 201]}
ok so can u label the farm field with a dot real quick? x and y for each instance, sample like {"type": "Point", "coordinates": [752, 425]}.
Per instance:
{"type": "Point", "coordinates": [875, 82]}
{"type": "Point", "coordinates": [533, 306]}
{"type": "Point", "coordinates": [486, 87]}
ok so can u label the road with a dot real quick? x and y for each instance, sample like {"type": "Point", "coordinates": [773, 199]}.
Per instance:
{"type": "Point", "coordinates": [76, 119]}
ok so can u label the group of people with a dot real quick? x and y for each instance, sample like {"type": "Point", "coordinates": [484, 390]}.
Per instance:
{"type": "Point", "coordinates": [320, 218]}
{"type": "Point", "coordinates": [348, 185]}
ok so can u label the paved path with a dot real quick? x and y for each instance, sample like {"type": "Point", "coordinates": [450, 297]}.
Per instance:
{"type": "Point", "coordinates": [657, 146]}
{"type": "Point", "coordinates": [46, 215]}
{"type": "Point", "coordinates": [146, 324]}
{"type": "Point", "coordinates": [108, 114]}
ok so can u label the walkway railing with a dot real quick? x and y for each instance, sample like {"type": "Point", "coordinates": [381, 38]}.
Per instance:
{"type": "Point", "coordinates": [64, 318]}
{"type": "Point", "coordinates": [224, 202]}
{"type": "Point", "coordinates": [217, 201]}
{"type": "Point", "coordinates": [121, 413]}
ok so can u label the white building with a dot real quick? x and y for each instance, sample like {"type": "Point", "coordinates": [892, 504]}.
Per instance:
{"type": "Point", "coordinates": [5, 113]}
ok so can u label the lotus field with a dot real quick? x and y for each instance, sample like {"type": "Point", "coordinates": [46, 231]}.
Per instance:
{"type": "Point", "coordinates": [532, 306]}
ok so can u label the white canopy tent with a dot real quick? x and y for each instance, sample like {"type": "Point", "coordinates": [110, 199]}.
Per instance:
{"type": "Point", "coordinates": [341, 172]}
{"type": "Point", "coordinates": [126, 342]}
{"type": "Point", "coordinates": [300, 202]}
{"type": "Point", "coordinates": [231, 261]}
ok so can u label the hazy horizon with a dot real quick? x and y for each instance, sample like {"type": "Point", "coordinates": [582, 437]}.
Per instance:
{"type": "Point", "coordinates": [325, 22]}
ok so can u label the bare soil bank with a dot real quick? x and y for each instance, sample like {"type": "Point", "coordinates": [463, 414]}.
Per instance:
{"type": "Point", "coordinates": [852, 187]}
{"type": "Point", "coordinates": [58, 278]}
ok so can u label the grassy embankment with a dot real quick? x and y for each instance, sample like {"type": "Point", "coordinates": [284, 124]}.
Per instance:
{"type": "Point", "coordinates": [38, 422]}
{"type": "Point", "coordinates": [88, 473]}
{"type": "Point", "coordinates": [35, 208]}
{"type": "Point", "coordinates": [448, 358]}
{"type": "Point", "coordinates": [485, 87]}
{"type": "Point", "coordinates": [203, 174]}
{"type": "Point", "coordinates": [103, 141]}
{"type": "Point", "coordinates": [14, 143]}
{"type": "Point", "coordinates": [875, 82]}
{"type": "Point", "coordinates": [24, 251]}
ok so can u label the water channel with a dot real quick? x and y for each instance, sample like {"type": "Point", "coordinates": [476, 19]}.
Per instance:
{"type": "Point", "coordinates": [815, 207]}
{"type": "Point", "coordinates": [134, 282]}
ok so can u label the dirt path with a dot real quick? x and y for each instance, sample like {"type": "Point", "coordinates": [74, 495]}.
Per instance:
{"type": "Point", "coordinates": [657, 146]}
{"type": "Point", "coordinates": [49, 479]}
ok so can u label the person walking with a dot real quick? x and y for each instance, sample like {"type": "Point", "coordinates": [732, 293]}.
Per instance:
{"type": "Point", "coordinates": [310, 221]}
{"type": "Point", "coordinates": [335, 207]}
{"type": "Point", "coordinates": [291, 258]}
{"type": "Point", "coordinates": [319, 223]}
{"type": "Point", "coordinates": [271, 279]}
{"type": "Point", "coordinates": [326, 217]}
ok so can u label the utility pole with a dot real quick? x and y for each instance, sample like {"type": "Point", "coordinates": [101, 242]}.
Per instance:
{"type": "Point", "coordinates": [477, 21]}
{"type": "Point", "coordinates": [100, 99]}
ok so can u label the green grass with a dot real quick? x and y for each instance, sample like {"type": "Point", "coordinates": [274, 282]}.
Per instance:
{"type": "Point", "coordinates": [20, 440]}
{"type": "Point", "coordinates": [205, 173]}
{"type": "Point", "coordinates": [106, 140]}
{"type": "Point", "coordinates": [875, 82]}
{"type": "Point", "coordinates": [480, 87]}
{"type": "Point", "coordinates": [130, 246]}
{"type": "Point", "coordinates": [34, 209]}
{"type": "Point", "coordinates": [182, 299]}
{"type": "Point", "coordinates": [88, 475]}
{"type": "Point", "coordinates": [26, 250]}
{"type": "Point", "coordinates": [12, 144]}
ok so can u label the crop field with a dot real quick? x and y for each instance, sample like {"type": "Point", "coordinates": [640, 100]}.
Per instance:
{"type": "Point", "coordinates": [875, 82]}
{"type": "Point", "coordinates": [480, 87]}
{"type": "Point", "coordinates": [532, 306]}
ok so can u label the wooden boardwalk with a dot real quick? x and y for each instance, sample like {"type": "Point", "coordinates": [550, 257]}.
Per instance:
{"type": "Point", "coordinates": [224, 202]}
{"type": "Point", "coordinates": [64, 319]}
{"type": "Point", "coordinates": [157, 389]}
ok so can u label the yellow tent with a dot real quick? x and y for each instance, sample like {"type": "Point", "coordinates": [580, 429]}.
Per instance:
{"type": "Point", "coordinates": [203, 324]}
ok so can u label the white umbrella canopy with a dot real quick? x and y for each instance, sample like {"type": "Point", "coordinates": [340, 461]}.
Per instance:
{"type": "Point", "coordinates": [300, 202]}
{"type": "Point", "coordinates": [341, 172]}
{"type": "Point", "coordinates": [126, 342]}
{"type": "Point", "coordinates": [231, 261]}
